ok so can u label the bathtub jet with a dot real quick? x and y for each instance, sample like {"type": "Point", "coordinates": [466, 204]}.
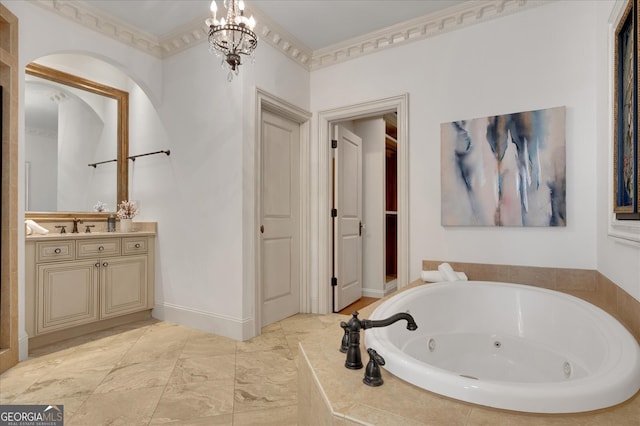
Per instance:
{"type": "Point", "coordinates": [509, 346]}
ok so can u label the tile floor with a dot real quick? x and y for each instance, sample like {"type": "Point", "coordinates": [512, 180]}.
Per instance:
{"type": "Point", "coordinates": [154, 372]}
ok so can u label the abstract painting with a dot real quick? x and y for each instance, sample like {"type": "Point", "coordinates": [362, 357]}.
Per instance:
{"type": "Point", "coordinates": [505, 170]}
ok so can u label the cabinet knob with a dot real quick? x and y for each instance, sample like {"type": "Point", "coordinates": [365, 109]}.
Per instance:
{"type": "Point", "coordinates": [57, 251]}
{"type": "Point", "coordinates": [101, 248]}
{"type": "Point", "coordinates": [105, 264]}
{"type": "Point", "coordinates": [97, 265]}
{"type": "Point", "coordinates": [137, 245]}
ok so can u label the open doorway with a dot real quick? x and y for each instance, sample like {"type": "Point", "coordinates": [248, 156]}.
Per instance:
{"type": "Point", "coordinates": [375, 111]}
{"type": "Point", "coordinates": [364, 209]}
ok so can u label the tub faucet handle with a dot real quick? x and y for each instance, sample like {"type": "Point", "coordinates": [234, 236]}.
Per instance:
{"type": "Point", "coordinates": [372, 374]}
{"type": "Point", "coordinates": [344, 346]}
{"type": "Point", "coordinates": [353, 327]}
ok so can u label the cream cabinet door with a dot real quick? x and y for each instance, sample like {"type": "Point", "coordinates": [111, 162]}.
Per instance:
{"type": "Point", "coordinates": [67, 295]}
{"type": "Point", "coordinates": [123, 285]}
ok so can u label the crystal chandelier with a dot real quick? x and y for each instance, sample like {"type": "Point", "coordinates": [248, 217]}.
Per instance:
{"type": "Point", "coordinates": [232, 36]}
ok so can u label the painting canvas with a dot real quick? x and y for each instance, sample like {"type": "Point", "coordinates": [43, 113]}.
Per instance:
{"type": "Point", "coordinates": [505, 170]}
{"type": "Point", "coordinates": [625, 157]}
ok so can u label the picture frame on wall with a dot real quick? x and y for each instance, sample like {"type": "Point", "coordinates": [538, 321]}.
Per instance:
{"type": "Point", "coordinates": [505, 170]}
{"type": "Point", "coordinates": [626, 191]}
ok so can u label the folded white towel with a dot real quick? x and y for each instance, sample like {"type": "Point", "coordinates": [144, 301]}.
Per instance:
{"type": "Point", "coordinates": [436, 276]}
{"type": "Point", "coordinates": [28, 229]}
{"type": "Point", "coordinates": [447, 272]}
{"type": "Point", "coordinates": [37, 229]}
{"type": "Point", "coordinates": [431, 276]}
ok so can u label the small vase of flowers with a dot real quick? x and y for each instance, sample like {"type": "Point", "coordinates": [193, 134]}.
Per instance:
{"type": "Point", "coordinates": [127, 210]}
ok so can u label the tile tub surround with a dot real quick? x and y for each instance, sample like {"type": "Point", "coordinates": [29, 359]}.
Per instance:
{"type": "Point", "coordinates": [586, 284]}
{"type": "Point", "coordinates": [330, 394]}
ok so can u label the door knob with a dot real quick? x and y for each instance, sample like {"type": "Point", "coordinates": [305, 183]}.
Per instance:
{"type": "Point", "coordinates": [262, 229]}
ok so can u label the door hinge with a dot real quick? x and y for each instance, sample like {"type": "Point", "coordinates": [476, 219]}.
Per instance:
{"type": "Point", "coordinates": [334, 143]}
{"type": "Point", "coordinates": [334, 281]}
{"type": "Point", "coordinates": [334, 212]}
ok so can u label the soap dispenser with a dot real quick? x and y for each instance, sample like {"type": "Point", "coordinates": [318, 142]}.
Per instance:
{"type": "Point", "coordinates": [111, 223]}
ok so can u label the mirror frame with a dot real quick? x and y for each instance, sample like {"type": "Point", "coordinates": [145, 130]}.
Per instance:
{"type": "Point", "coordinates": [122, 99]}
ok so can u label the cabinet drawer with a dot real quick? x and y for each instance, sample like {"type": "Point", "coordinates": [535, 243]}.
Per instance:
{"type": "Point", "coordinates": [52, 251]}
{"type": "Point", "coordinates": [90, 249]}
{"type": "Point", "coordinates": [134, 245]}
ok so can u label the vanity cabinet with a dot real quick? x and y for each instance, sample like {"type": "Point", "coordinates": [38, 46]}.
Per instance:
{"type": "Point", "coordinates": [86, 281]}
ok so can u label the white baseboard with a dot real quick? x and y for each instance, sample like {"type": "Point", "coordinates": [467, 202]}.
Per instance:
{"type": "Point", "coordinates": [371, 292]}
{"type": "Point", "coordinates": [389, 287]}
{"type": "Point", "coordinates": [234, 328]}
{"type": "Point", "coordinates": [23, 346]}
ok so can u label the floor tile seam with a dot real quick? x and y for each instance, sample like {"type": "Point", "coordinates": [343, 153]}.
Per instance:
{"type": "Point", "coordinates": [167, 384]}
{"type": "Point", "coordinates": [253, 410]}
{"type": "Point", "coordinates": [125, 353]}
{"type": "Point", "coordinates": [235, 381]}
{"type": "Point", "coordinates": [113, 367]}
{"type": "Point", "coordinates": [164, 390]}
{"type": "Point", "coordinates": [66, 420]}
{"type": "Point", "coordinates": [200, 357]}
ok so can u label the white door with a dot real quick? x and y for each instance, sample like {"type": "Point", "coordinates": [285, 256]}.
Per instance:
{"type": "Point", "coordinates": [348, 221]}
{"type": "Point", "coordinates": [280, 218]}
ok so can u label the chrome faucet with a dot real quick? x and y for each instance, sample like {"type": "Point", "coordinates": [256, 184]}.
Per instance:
{"type": "Point", "coordinates": [351, 338]}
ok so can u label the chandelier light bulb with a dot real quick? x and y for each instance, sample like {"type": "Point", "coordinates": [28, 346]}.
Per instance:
{"type": "Point", "coordinates": [213, 7]}
{"type": "Point", "coordinates": [252, 22]}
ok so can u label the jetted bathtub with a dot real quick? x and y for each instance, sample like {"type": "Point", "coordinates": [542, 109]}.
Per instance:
{"type": "Point", "coordinates": [508, 346]}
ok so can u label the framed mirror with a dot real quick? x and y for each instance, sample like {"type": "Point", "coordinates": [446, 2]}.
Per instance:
{"type": "Point", "coordinates": [76, 145]}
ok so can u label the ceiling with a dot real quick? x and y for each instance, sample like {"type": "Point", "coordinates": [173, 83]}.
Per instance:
{"type": "Point", "coordinates": [316, 23]}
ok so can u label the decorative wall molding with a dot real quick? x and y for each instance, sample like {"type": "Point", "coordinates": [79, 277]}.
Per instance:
{"type": "Point", "coordinates": [91, 17]}
{"type": "Point", "coordinates": [420, 28]}
{"type": "Point", "coordinates": [194, 33]}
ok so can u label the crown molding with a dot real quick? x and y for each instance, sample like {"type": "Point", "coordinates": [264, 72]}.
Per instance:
{"type": "Point", "coordinates": [420, 28]}
{"type": "Point", "coordinates": [93, 18]}
{"type": "Point", "coordinates": [196, 32]}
